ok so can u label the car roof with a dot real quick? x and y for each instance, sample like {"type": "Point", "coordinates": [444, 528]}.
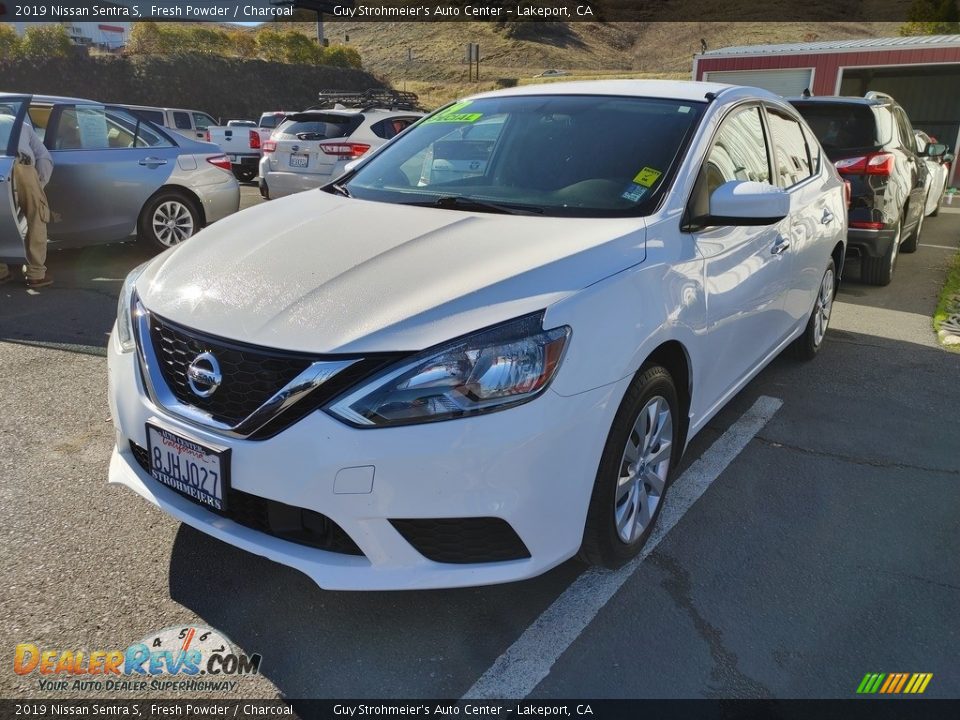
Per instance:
{"type": "Point", "coordinates": [49, 98]}
{"type": "Point", "coordinates": [688, 90]}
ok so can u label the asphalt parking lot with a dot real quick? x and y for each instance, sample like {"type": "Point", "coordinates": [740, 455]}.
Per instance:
{"type": "Point", "coordinates": [824, 545]}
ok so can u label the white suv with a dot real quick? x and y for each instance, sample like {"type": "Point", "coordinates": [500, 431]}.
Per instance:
{"type": "Point", "coordinates": [310, 148]}
{"type": "Point", "coordinates": [415, 379]}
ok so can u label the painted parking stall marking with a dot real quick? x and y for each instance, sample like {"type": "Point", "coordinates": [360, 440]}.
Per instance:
{"type": "Point", "coordinates": [520, 669]}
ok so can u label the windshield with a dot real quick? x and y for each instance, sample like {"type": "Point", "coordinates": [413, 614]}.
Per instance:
{"type": "Point", "coordinates": [553, 154]}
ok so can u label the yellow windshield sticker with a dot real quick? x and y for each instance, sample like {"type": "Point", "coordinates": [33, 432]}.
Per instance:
{"type": "Point", "coordinates": [453, 114]}
{"type": "Point", "coordinates": [647, 177]}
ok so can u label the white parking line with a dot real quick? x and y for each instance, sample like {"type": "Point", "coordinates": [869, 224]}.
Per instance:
{"type": "Point", "coordinates": [520, 669]}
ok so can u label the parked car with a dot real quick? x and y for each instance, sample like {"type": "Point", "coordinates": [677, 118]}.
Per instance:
{"type": "Point", "coordinates": [310, 148]}
{"type": "Point", "coordinates": [552, 73]}
{"type": "Point", "coordinates": [242, 145]}
{"type": "Point", "coordinates": [871, 142]}
{"type": "Point", "coordinates": [469, 381]}
{"type": "Point", "coordinates": [938, 170]}
{"type": "Point", "coordinates": [115, 174]}
{"type": "Point", "coordinates": [191, 123]}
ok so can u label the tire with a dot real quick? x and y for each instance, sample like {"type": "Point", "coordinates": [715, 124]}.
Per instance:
{"type": "Point", "coordinates": [245, 174]}
{"type": "Point", "coordinates": [808, 345]}
{"type": "Point", "coordinates": [264, 190]}
{"type": "Point", "coordinates": [910, 244]}
{"type": "Point", "coordinates": [168, 219]}
{"type": "Point", "coordinates": [879, 271]}
{"type": "Point", "coordinates": [615, 529]}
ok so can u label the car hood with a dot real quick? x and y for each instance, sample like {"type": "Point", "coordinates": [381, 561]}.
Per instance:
{"type": "Point", "coordinates": [323, 274]}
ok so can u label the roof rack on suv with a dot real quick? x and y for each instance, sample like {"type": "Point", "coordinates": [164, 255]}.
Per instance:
{"type": "Point", "coordinates": [383, 98]}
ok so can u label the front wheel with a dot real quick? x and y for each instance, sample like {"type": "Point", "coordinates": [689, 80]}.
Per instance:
{"type": "Point", "coordinates": [809, 344]}
{"type": "Point", "coordinates": [635, 469]}
{"type": "Point", "coordinates": [168, 219]}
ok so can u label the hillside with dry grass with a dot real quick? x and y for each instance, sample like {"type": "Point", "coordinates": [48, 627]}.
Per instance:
{"type": "Point", "coordinates": [438, 71]}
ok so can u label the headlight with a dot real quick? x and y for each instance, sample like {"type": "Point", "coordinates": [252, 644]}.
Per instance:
{"type": "Point", "coordinates": [489, 370]}
{"type": "Point", "coordinates": [124, 310]}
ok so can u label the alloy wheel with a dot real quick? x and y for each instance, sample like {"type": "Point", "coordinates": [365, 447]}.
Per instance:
{"type": "Point", "coordinates": [644, 468]}
{"type": "Point", "coordinates": [172, 222]}
{"type": "Point", "coordinates": [821, 317]}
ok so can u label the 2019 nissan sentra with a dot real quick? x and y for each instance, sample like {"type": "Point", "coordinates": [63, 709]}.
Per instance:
{"type": "Point", "coordinates": [115, 175]}
{"type": "Point", "coordinates": [484, 349]}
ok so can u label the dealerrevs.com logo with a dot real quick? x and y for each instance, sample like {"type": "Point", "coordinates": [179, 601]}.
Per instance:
{"type": "Point", "coordinates": [189, 659]}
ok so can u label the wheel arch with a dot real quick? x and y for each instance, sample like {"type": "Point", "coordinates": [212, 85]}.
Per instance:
{"type": "Point", "coordinates": [838, 254]}
{"type": "Point", "coordinates": [673, 356]}
{"type": "Point", "coordinates": [179, 190]}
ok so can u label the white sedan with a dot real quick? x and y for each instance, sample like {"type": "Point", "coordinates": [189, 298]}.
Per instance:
{"type": "Point", "coordinates": [412, 379]}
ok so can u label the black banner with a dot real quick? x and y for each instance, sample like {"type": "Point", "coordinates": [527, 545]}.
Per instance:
{"type": "Point", "coordinates": [853, 709]}
{"type": "Point", "coordinates": [503, 11]}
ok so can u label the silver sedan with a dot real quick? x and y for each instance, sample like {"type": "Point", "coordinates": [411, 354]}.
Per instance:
{"type": "Point", "coordinates": [115, 175]}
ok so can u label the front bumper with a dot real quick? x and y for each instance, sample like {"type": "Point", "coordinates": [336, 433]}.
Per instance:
{"type": "Point", "coordinates": [532, 466]}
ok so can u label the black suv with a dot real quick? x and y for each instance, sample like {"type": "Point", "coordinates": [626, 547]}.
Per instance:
{"type": "Point", "coordinates": [871, 142]}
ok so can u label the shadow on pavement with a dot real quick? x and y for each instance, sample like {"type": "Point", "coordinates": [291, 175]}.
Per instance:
{"type": "Point", "coordinates": [319, 644]}
{"type": "Point", "coordinates": [81, 305]}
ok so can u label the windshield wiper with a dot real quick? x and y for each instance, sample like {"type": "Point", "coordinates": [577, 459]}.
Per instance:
{"type": "Point", "coordinates": [455, 202]}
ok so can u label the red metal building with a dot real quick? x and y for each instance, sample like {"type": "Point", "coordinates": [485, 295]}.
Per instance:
{"type": "Point", "coordinates": [922, 73]}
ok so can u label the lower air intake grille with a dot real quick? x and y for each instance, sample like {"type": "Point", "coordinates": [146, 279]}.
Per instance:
{"type": "Point", "coordinates": [463, 540]}
{"type": "Point", "coordinates": [304, 527]}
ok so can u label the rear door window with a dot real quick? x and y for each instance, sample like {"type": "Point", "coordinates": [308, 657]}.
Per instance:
{"type": "Point", "coordinates": [181, 121]}
{"type": "Point", "coordinates": [94, 127]}
{"type": "Point", "coordinates": [790, 150]}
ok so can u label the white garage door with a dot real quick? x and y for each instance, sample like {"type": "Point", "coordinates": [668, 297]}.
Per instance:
{"type": "Point", "coordinates": [782, 82]}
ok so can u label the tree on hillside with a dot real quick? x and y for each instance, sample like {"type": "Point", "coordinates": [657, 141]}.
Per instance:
{"type": "Point", "coordinates": [45, 41]}
{"type": "Point", "coordinates": [932, 17]}
{"type": "Point", "coordinates": [244, 44]}
{"type": "Point", "coordinates": [9, 42]}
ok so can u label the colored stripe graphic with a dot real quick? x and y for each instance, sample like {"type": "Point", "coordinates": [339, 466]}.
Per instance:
{"type": "Point", "coordinates": [894, 683]}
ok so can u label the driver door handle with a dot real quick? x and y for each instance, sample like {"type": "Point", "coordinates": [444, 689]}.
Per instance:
{"type": "Point", "coordinates": [153, 161]}
{"type": "Point", "coordinates": [780, 246]}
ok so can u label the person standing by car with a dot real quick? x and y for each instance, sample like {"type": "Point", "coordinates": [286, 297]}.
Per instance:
{"type": "Point", "coordinates": [31, 173]}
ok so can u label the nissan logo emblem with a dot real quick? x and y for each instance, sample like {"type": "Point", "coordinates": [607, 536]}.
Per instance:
{"type": "Point", "coordinates": [203, 375]}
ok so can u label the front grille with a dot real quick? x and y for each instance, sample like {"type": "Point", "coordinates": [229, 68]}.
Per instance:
{"type": "Point", "coordinates": [463, 540]}
{"type": "Point", "coordinates": [251, 375]}
{"type": "Point", "coordinates": [287, 522]}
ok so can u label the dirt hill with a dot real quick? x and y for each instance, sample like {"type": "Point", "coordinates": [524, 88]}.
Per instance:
{"type": "Point", "coordinates": [438, 48]}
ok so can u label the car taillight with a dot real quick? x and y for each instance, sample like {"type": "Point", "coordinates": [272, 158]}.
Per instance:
{"type": "Point", "coordinates": [866, 225]}
{"type": "Point", "coordinates": [880, 163]}
{"type": "Point", "coordinates": [344, 151]}
{"type": "Point", "coordinates": [221, 161]}
{"type": "Point", "coordinates": [847, 191]}
{"type": "Point", "coordinates": [254, 140]}
{"type": "Point", "coordinates": [269, 146]}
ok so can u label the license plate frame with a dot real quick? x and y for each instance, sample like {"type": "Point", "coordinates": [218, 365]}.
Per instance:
{"type": "Point", "coordinates": [298, 163]}
{"type": "Point", "coordinates": [196, 493]}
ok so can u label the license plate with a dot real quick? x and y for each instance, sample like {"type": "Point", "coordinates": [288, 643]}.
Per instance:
{"type": "Point", "coordinates": [298, 160]}
{"type": "Point", "coordinates": [198, 472]}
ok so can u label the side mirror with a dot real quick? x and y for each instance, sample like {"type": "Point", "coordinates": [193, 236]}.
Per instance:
{"type": "Point", "coordinates": [741, 202]}
{"type": "Point", "coordinates": [935, 149]}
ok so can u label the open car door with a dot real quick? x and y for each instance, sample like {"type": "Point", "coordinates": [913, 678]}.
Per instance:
{"type": "Point", "coordinates": [13, 223]}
